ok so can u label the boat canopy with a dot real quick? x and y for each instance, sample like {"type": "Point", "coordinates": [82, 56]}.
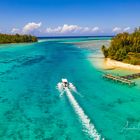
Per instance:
{"type": "Point", "coordinates": [64, 80]}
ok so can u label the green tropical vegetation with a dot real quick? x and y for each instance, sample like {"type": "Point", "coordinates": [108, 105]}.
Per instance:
{"type": "Point", "coordinates": [124, 47]}
{"type": "Point", "coordinates": [8, 38]}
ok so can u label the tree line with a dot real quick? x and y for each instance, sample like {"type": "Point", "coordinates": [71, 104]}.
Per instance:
{"type": "Point", "coordinates": [124, 47]}
{"type": "Point", "coordinates": [9, 38]}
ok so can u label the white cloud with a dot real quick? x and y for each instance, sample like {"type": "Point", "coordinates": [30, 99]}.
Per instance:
{"type": "Point", "coordinates": [35, 29]}
{"type": "Point", "coordinates": [30, 27]}
{"type": "Point", "coordinates": [64, 29]}
{"type": "Point", "coordinates": [90, 29]}
{"type": "Point", "coordinates": [95, 29]}
{"type": "Point", "coordinates": [15, 30]}
{"type": "Point", "coordinates": [126, 29]}
{"type": "Point", "coordinates": [117, 29]}
{"type": "Point", "coordinates": [86, 29]}
{"type": "Point", "coordinates": [54, 30]}
{"type": "Point", "coordinates": [71, 29]}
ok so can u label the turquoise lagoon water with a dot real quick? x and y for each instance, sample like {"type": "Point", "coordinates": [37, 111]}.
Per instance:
{"type": "Point", "coordinates": [30, 105]}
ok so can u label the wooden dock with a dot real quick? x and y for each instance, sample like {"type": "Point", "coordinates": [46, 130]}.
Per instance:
{"type": "Point", "coordinates": [119, 79]}
{"type": "Point", "coordinates": [131, 76]}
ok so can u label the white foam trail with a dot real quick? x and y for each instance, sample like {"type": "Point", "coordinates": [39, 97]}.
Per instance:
{"type": "Point", "coordinates": [72, 87]}
{"type": "Point", "coordinates": [89, 127]}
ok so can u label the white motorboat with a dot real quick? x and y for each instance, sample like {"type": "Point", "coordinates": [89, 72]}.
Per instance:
{"type": "Point", "coordinates": [65, 84]}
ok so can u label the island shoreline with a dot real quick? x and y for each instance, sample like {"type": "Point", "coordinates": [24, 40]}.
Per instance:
{"type": "Point", "coordinates": [117, 64]}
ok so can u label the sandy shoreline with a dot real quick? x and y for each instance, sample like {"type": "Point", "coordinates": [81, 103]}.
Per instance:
{"type": "Point", "coordinates": [116, 64]}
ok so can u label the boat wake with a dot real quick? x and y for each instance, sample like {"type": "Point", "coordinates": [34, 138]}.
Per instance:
{"type": "Point", "coordinates": [89, 128]}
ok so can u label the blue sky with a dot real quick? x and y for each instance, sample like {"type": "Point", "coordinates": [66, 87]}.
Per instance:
{"type": "Point", "coordinates": [69, 17]}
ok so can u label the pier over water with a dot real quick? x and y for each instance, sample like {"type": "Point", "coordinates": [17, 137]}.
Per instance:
{"type": "Point", "coordinates": [132, 76]}
{"type": "Point", "coordinates": [123, 79]}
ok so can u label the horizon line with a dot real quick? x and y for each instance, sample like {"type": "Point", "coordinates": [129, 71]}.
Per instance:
{"type": "Point", "coordinates": [75, 36]}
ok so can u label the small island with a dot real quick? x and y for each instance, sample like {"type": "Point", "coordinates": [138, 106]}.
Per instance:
{"type": "Point", "coordinates": [9, 38]}
{"type": "Point", "coordinates": [124, 47]}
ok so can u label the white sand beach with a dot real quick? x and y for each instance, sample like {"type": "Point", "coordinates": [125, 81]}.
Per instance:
{"type": "Point", "coordinates": [116, 64]}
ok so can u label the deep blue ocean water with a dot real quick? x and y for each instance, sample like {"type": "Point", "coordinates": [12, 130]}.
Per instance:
{"type": "Point", "coordinates": [31, 107]}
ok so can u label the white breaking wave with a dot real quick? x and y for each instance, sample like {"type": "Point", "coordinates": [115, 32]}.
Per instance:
{"type": "Point", "coordinates": [88, 126]}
